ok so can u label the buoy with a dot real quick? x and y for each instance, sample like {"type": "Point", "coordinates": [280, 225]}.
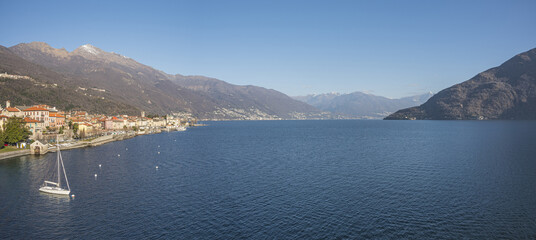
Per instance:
{"type": "Point", "coordinates": [118, 155]}
{"type": "Point", "coordinates": [100, 165]}
{"type": "Point", "coordinates": [156, 167]}
{"type": "Point", "coordinates": [158, 152]}
{"type": "Point", "coordinates": [127, 148]}
{"type": "Point", "coordinates": [72, 196]}
{"type": "Point", "coordinates": [158, 145]}
{"type": "Point", "coordinates": [95, 175]}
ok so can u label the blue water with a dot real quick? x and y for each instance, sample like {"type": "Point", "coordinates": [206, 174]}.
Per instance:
{"type": "Point", "coordinates": [287, 180]}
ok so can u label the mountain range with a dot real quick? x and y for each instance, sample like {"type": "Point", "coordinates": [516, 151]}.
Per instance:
{"type": "Point", "coordinates": [91, 79]}
{"type": "Point", "coordinates": [504, 92]}
{"type": "Point", "coordinates": [106, 82]}
{"type": "Point", "coordinates": [361, 105]}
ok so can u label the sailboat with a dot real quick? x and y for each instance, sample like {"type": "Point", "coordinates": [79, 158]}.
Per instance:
{"type": "Point", "coordinates": [55, 187]}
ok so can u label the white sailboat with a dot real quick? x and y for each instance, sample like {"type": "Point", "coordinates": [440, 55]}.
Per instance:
{"type": "Point", "coordinates": [55, 187]}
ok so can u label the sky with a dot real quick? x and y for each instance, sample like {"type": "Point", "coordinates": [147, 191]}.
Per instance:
{"type": "Point", "coordinates": [386, 48]}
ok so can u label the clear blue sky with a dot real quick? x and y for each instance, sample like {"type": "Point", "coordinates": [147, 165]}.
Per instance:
{"type": "Point", "coordinates": [388, 48]}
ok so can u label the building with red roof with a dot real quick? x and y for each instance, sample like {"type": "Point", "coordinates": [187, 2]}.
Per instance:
{"type": "Point", "coordinates": [56, 120]}
{"type": "Point", "coordinates": [38, 113]}
{"type": "Point", "coordinates": [34, 125]}
{"type": "Point", "coordinates": [12, 112]}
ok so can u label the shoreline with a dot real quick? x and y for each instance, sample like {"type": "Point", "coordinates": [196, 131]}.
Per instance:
{"type": "Point", "coordinates": [79, 144]}
{"type": "Point", "coordinates": [14, 154]}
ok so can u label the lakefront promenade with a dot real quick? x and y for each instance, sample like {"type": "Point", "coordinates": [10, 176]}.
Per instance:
{"type": "Point", "coordinates": [92, 142]}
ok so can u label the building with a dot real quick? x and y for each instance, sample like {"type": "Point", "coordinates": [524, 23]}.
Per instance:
{"type": "Point", "coordinates": [34, 125]}
{"type": "Point", "coordinates": [56, 120]}
{"type": "Point", "coordinates": [81, 114]}
{"type": "Point", "coordinates": [85, 129]}
{"type": "Point", "coordinates": [3, 120]}
{"type": "Point", "coordinates": [119, 123]}
{"type": "Point", "coordinates": [12, 112]}
{"type": "Point", "coordinates": [38, 113]}
{"type": "Point", "coordinates": [109, 124]}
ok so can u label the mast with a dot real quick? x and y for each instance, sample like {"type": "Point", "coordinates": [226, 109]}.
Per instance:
{"type": "Point", "coordinates": [58, 160]}
{"type": "Point", "coordinates": [64, 173]}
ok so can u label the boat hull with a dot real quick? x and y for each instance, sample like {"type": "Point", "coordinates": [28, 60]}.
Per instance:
{"type": "Point", "coordinates": [55, 190]}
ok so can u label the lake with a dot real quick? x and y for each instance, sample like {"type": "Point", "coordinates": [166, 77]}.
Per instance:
{"type": "Point", "coordinates": [341, 179]}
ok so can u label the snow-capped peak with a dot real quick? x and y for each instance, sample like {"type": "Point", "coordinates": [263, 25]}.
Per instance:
{"type": "Point", "coordinates": [90, 49]}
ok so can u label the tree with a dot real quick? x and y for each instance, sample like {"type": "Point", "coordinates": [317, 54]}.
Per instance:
{"type": "Point", "coordinates": [135, 128]}
{"type": "Point", "coordinates": [1, 138]}
{"type": "Point", "coordinates": [15, 131]}
{"type": "Point", "coordinates": [75, 129]}
{"type": "Point", "coordinates": [61, 130]}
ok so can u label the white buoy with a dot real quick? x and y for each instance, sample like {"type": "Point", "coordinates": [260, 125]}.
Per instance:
{"type": "Point", "coordinates": [156, 167]}
{"type": "Point", "coordinates": [127, 148]}
{"type": "Point", "coordinates": [72, 196]}
{"type": "Point", "coordinates": [158, 145]}
{"type": "Point", "coordinates": [100, 165]}
{"type": "Point", "coordinates": [118, 155]}
{"type": "Point", "coordinates": [158, 152]}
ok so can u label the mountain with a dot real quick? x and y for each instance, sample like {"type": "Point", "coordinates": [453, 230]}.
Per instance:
{"type": "Point", "coordinates": [504, 92]}
{"type": "Point", "coordinates": [28, 83]}
{"type": "Point", "coordinates": [361, 105]}
{"type": "Point", "coordinates": [122, 80]}
{"type": "Point", "coordinates": [246, 97]}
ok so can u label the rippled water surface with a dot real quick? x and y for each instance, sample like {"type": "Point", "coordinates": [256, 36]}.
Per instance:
{"type": "Point", "coordinates": [287, 180]}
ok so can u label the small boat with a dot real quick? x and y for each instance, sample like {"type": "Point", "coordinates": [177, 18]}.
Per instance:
{"type": "Point", "coordinates": [55, 187]}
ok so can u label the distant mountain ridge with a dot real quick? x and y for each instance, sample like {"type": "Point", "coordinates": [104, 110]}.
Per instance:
{"type": "Point", "coordinates": [266, 100]}
{"type": "Point", "coordinates": [504, 92]}
{"type": "Point", "coordinates": [361, 105]}
{"type": "Point", "coordinates": [110, 78]}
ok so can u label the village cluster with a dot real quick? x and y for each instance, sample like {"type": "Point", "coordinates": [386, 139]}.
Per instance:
{"type": "Point", "coordinates": [43, 120]}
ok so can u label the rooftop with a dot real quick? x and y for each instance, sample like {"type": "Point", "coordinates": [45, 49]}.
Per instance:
{"type": "Point", "coordinates": [12, 109]}
{"type": "Point", "coordinates": [35, 109]}
{"type": "Point", "coordinates": [29, 120]}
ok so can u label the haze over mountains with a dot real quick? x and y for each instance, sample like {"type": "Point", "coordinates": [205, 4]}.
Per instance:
{"type": "Point", "coordinates": [99, 81]}
{"type": "Point", "coordinates": [504, 92]}
{"type": "Point", "coordinates": [361, 105]}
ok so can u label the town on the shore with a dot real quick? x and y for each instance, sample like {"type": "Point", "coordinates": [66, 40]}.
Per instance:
{"type": "Point", "coordinates": [45, 124]}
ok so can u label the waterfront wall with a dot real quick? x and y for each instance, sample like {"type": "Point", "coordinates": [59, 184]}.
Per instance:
{"type": "Point", "coordinates": [14, 154]}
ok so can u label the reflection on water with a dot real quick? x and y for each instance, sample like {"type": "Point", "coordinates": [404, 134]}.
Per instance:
{"type": "Point", "coordinates": [55, 205]}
